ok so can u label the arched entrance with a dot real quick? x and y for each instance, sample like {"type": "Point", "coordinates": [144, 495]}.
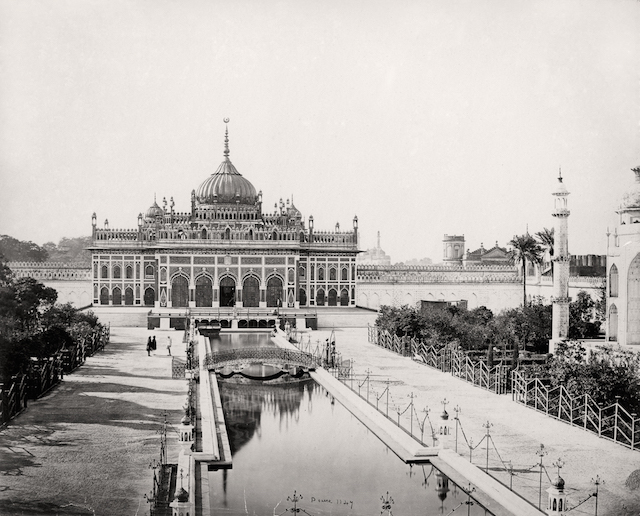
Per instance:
{"type": "Point", "coordinates": [204, 291]}
{"type": "Point", "coordinates": [320, 297]}
{"type": "Point", "coordinates": [613, 323]}
{"type": "Point", "coordinates": [128, 296]}
{"type": "Point", "coordinates": [333, 297]}
{"type": "Point", "coordinates": [117, 296]}
{"type": "Point", "coordinates": [633, 302]}
{"type": "Point", "coordinates": [149, 296]}
{"type": "Point", "coordinates": [104, 296]}
{"type": "Point", "coordinates": [251, 292]}
{"type": "Point", "coordinates": [344, 297]}
{"type": "Point", "coordinates": [180, 292]}
{"type": "Point", "coordinates": [303, 297]}
{"type": "Point", "coordinates": [227, 291]}
{"type": "Point", "coordinates": [274, 291]}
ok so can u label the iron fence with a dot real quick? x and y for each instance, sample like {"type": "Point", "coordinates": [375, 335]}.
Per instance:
{"type": "Point", "coordinates": [611, 422]}
{"type": "Point", "coordinates": [454, 361]}
{"type": "Point", "coordinates": [45, 373]}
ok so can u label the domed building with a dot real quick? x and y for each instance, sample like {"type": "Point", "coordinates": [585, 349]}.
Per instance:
{"type": "Point", "coordinates": [623, 270]}
{"type": "Point", "coordinates": [225, 252]}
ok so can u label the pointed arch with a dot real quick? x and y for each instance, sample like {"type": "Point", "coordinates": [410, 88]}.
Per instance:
{"type": "Point", "coordinates": [227, 290]}
{"type": "Point", "coordinates": [613, 281]}
{"type": "Point", "coordinates": [613, 322]}
{"type": "Point", "coordinates": [320, 297]}
{"type": "Point", "coordinates": [333, 297]}
{"type": "Point", "coordinates": [344, 297]}
{"type": "Point", "coordinates": [251, 291]}
{"type": "Point", "coordinates": [180, 291]}
{"type": "Point", "coordinates": [128, 296]}
{"type": "Point", "coordinates": [204, 290]}
{"type": "Point", "coordinates": [149, 296]}
{"type": "Point", "coordinates": [116, 295]}
{"type": "Point", "coordinates": [104, 296]}
{"type": "Point", "coordinates": [274, 290]}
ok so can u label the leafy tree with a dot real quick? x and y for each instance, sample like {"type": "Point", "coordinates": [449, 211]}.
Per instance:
{"type": "Point", "coordinates": [525, 249]}
{"type": "Point", "coordinates": [18, 250]}
{"type": "Point", "coordinates": [32, 298]}
{"type": "Point", "coordinates": [546, 239]}
{"type": "Point", "coordinates": [583, 323]}
{"type": "Point", "coordinates": [604, 374]}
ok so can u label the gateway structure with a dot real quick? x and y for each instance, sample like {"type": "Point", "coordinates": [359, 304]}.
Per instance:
{"type": "Point", "coordinates": [225, 252]}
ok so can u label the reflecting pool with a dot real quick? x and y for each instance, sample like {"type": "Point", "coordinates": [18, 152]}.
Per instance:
{"type": "Point", "coordinates": [227, 341]}
{"type": "Point", "coordinates": [294, 438]}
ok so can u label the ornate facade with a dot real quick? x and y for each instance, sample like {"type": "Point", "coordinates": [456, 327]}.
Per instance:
{"type": "Point", "coordinates": [224, 252]}
{"type": "Point", "coordinates": [623, 270]}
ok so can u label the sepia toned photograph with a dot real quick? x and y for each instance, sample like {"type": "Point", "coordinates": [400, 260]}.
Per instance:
{"type": "Point", "coordinates": [340, 258]}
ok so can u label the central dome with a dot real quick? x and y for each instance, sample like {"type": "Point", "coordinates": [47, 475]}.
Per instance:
{"type": "Point", "coordinates": [226, 185]}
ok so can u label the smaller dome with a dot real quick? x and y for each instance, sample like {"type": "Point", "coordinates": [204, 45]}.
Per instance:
{"type": "Point", "coordinates": [154, 211]}
{"type": "Point", "coordinates": [558, 483]}
{"type": "Point", "coordinates": [631, 199]}
{"type": "Point", "coordinates": [182, 495]}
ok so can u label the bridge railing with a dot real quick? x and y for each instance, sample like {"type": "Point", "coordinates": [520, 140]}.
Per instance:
{"type": "Point", "coordinates": [261, 354]}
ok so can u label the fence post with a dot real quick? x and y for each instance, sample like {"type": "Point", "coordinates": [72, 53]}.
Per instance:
{"type": "Point", "coordinates": [615, 419]}
{"type": "Point", "coordinates": [3, 405]}
{"type": "Point", "coordinates": [585, 411]}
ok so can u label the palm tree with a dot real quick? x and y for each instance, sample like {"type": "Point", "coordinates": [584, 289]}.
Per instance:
{"type": "Point", "coordinates": [545, 237]}
{"type": "Point", "coordinates": [525, 249]}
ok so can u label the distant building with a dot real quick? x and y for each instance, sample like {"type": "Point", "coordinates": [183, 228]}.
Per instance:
{"type": "Point", "coordinates": [453, 249]}
{"type": "Point", "coordinates": [374, 256]}
{"type": "Point", "coordinates": [495, 256]}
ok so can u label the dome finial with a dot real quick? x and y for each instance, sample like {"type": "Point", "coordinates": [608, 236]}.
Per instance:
{"type": "Point", "coordinates": [560, 174]}
{"type": "Point", "coordinates": [226, 139]}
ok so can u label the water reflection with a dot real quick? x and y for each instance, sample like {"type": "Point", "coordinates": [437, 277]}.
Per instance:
{"type": "Point", "coordinates": [293, 438]}
{"type": "Point", "coordinates": [227, 341]}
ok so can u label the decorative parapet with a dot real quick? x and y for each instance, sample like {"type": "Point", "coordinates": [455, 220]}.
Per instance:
{"type": "Point", "coordinates": [149, 236]}
{"type": "Point", "coordinates": [437, 274]}
{"type": "Point", "coordinates": [577, 281]}
{"type": "Point", "coordinates": [51, 270]}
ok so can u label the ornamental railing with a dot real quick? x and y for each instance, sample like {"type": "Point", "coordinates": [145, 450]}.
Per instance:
{"type": "Point", "coordinates": [611, 422]}
{"type": "Point", "coordinates": [45, 373]}
{"type": "Point", "coordinates": [456, 362]}
{"type": "Point", "coordinates": [263, 355]}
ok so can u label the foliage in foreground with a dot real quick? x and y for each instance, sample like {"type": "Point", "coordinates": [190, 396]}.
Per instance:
{"type": "Point", "coordinates": [605, 374]}
{"type": "Point", "coordinates": [33, 325]}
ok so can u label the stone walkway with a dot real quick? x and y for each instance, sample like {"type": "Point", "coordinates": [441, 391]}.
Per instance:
{"type": "Point", "coordinates": [516, 430]}
{"type": "Point", "coordinates": [85, 447]}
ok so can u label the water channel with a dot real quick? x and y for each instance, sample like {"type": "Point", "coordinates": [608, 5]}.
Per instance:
{"type": "Point", "coordinates": [294, 440]}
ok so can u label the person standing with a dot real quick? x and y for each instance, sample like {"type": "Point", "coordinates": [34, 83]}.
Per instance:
{"type": "Point", "coordinates": [154, 343]}
{"type": "Point", "coordinates": [149, 346]}
{"type": "Point", "coordinates": [169, 346]}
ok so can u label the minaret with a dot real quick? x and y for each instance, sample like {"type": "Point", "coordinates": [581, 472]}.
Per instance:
{"type": "Point", "coordinates": [561, 300]}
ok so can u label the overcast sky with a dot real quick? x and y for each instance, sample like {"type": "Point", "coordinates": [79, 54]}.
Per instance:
{"type": "Point", "coordinates": [421, 117]}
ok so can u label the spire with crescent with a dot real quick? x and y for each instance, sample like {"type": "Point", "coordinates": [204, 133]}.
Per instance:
{"type": "Point", "coordinates": [226, 139]}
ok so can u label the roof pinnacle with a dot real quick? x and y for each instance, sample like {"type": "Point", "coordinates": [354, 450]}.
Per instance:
{"type": "Point", "coordinates": [560, 174]}
{"type": "Point", "coordinates": [226, 139]}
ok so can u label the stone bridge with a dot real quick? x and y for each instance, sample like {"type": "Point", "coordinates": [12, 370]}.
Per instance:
{"type": "Point", "coordinates": [241, 358]}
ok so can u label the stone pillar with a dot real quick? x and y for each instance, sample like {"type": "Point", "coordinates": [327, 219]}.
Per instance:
{"type": "Point", "coordinates": [561, 259]}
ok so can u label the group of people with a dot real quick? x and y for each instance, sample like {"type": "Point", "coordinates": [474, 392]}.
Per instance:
{"type": "Point", "coordinates": [152, 345]}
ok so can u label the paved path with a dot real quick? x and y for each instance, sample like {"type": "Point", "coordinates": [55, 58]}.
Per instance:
{"type": "Point", "coordinates": [517, 431]}
{"type": "Point", "coordinates": [85, 448]}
